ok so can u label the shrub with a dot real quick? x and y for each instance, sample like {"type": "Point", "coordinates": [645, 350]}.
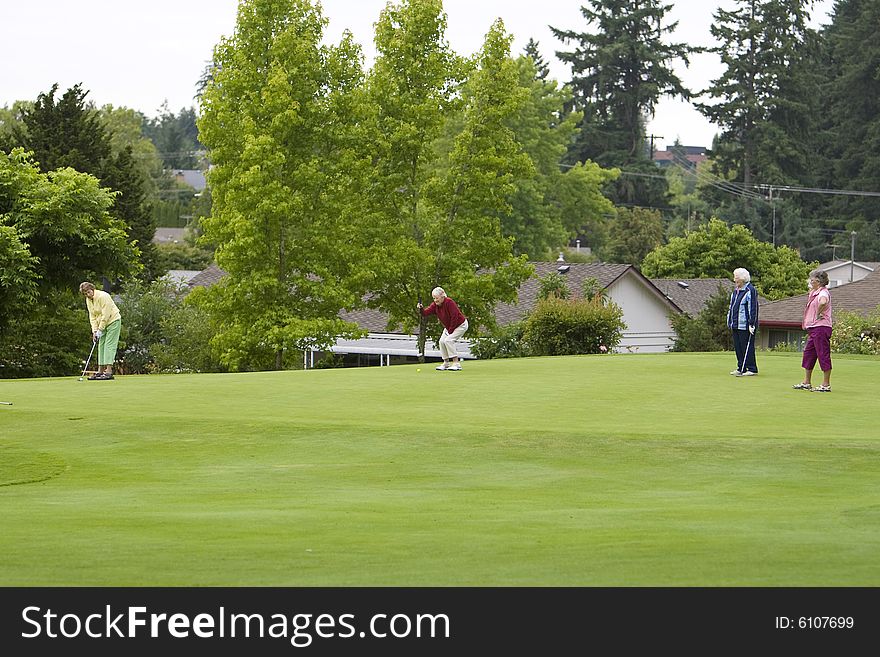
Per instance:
{"type": "Point", "coordinates": [185, 345]}
{"type": "Point", "coordinates": [503, 342]}
{"type": "Point", "coordinates": [856, 334]}
{"type": "Point", "coordinates": [553, 285]}
{"type": "Point", "coordinates": [790, 347]}
{"type": "Point", "coordinates": [558, 327]}
{"type": "Point", "coordinates": [708, 331]}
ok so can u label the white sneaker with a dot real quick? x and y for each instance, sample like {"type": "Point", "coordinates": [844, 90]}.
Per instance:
{"type": "Point", "coordinates": [748, 373]}
{"type": "Point", "coordinates": [440, 368]}
{"type": "Point", "coordinates": [735, 373]}
{"type": "Point", "coordinates": [454, 367]}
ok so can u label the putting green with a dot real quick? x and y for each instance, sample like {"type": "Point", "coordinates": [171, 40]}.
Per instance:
{"type": "Point", "coordinates": [616, 470]}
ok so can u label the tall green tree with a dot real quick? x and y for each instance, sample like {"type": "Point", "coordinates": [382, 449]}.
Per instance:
{"type": "Point", "coordinates": [437, 206]}
{"type": "Point", "coordinates": [121, 173]}
{"type": "Point", "coordinates": [533, 52]}
{"type": "Point", "coordinates": [175, 136]}
{"type": "Point", "coordinates": [64, 132]}
{"type": "Point", "coordinates": [850, 123]}
{"type": "Point", "coordinates": [67, 132]}
{"type": "Point", "coordinates": [620, 70]}
{"type": "Point", "coordinates": [634, 233]}
{"type": "Point", "coordinates": [765, 100]}
{"type": "Point", "coordinates": [55, 231]}
{"type": "Point", "coordinates": [553, 203]}
{"type": "Point", "coordinates": [63, 219]}
{"type": "Point", "coordinates": [277, 117]}
{"type": "Point", "coordinates": [714, 250]}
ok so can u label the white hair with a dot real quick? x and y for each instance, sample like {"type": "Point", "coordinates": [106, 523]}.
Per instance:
{"type": "Point", "coordinates": [438, 291]}
{"type": "Point", "coordinates": [742, 274]}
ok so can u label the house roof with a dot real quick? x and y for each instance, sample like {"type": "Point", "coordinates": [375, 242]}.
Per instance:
{"type": "Point", "coordinates": [605, 273]}
{"type": "Point", "coordinates": [208, 277]}
{"type": "Point", "coordinates": [691, 294]}
{"type": "Point", "coordinates": [164, 234]}
{"type": "Point", "coordinates": [374, 321]}
{"type": "Point", "coordinates": [192, 177]}
{"type": "Point", "coordinates": [858, 297]}
{"type": "Point", "coordinates": [834, 264]}
{"type": "Point", "coordinates": [181, 276]}
{"type": "Point", "coordinates": [575, 275]}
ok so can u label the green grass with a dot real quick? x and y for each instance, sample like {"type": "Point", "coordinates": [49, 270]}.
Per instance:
{"type": "Point", "coordinates": [628, 470]}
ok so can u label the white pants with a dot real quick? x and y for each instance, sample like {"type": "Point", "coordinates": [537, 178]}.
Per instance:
{"type": "Point", "coordinates": [447, 341]}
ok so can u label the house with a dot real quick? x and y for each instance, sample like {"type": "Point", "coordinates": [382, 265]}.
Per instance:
{"type": "Point", "coordinates": [684, 156]}
{"type": "Point", "coordinates": [780, 321]}
{"type": "Point", "coordinates": [181, 277]}
{"type": "Point", "coordinates": [647, 308]}
{"type": "Point", "coordinates": [164, 235]}
{"type": "Point", "coordinates": [692, 294]}
{"type": "Point", "coordinates": [192, 177]}
{"type": "Point", "coordinates": [846, 271]}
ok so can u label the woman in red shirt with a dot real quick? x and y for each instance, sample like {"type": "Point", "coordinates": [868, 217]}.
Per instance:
{"type": "Point", "coordinates": [454, 326]}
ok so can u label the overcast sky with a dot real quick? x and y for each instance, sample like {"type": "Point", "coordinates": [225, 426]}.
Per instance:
{"type": "Point", "coordinates": [141, 54]}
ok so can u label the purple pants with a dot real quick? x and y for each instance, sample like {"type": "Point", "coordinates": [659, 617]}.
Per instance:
{"type": "Point", "coordinates": [818, 346]}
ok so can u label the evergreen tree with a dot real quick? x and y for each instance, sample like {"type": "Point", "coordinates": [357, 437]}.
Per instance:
{"type": "Point", "coordinates": [765, 103]}
{"type": "Point", "coordinates": [634, 233]}
{"type": "Point", "coordinates": [131, 206]}
{"type": "Point", "coordinates": [176, 137]}
{"type": "Point", "coordinates": [542, 70]}
{"type": "Point", "coordinates": [64, 133]}
{"type": "Point", "coordinates": [850, 129]}
{"type": "Point", "coordinates": [69, 133]}
{"type": "Point", "coordinates": [620, 71]}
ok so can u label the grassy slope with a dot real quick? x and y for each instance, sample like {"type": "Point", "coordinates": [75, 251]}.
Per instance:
{"type": "Point", "coordinates": [596, 470]}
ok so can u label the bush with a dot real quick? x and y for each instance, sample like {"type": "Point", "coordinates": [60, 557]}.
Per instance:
{"type": "Point", "coordinates": [786, 347]}
{"type": "Point", "coordinates": [185, 345]}
{"type": "Point", "coordinates": [50, 339]}
{"type": "Point", "coordinates": [708, 331]}
{"type": "Point", "coordinates": [856, 334]}
{"type": "Point", "coordinates": [553, 285]}
{"type": "Point", "coordinates": [559, 327]}
{"type": "Point", "coordinates": [162, 333]}
{"type": "Point", "coordinates": [503, 342]}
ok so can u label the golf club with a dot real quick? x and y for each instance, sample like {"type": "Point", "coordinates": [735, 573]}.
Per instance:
{"type": "Point", "coordinates": [746, 353]}
{"type": "Point", "coordinates": [88, 360]}
{"type": "Point", "coordinates": [6, 403]}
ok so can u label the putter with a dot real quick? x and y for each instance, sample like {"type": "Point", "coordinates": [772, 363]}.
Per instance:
{"type": "Point", "coordinates": [6, 403]}
{"type": "Point", "coordinates": [88, 360]}
{"type": "Point", "coordinates": [746, 354]}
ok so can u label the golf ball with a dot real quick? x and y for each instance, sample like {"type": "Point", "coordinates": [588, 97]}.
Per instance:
{"type": "Point", "coordinates": [418, 369]}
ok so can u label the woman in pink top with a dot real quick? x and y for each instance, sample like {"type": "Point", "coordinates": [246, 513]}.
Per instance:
{"type": "Point", "coordinates": [817, 324]}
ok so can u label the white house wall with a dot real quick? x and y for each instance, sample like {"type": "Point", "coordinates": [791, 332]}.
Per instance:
{"type": "Point", "coordinates": [648, 329]}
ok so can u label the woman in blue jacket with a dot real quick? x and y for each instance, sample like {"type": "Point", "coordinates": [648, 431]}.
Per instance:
{"type": "Point", "coordinates": [742, 318]}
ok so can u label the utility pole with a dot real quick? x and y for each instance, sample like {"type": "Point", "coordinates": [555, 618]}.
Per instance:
{"type": "Point", "coordinates": [852, 257]}
{"type": "Point", "coordinates": [652, 138]}
{"type": "Point", "coordinates": [773, 209]}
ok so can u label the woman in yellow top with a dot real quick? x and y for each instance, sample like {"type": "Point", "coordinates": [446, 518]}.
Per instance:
{"type": "Point", "coordinates": [106, 322]}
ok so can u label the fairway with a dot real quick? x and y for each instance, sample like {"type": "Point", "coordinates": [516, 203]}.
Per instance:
{"type": "Point", "coordinates": [622, 470]}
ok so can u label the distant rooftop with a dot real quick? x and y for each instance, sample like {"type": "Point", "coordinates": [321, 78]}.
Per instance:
{"type": "Point", "coordinates": [686, 156]}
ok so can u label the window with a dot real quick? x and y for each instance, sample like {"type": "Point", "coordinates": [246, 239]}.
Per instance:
{"type": "Point", "coordinates": [790, 337]}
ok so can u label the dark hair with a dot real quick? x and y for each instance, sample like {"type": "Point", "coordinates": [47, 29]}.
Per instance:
{"type": "Point", "coordinates": [820, 275]}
